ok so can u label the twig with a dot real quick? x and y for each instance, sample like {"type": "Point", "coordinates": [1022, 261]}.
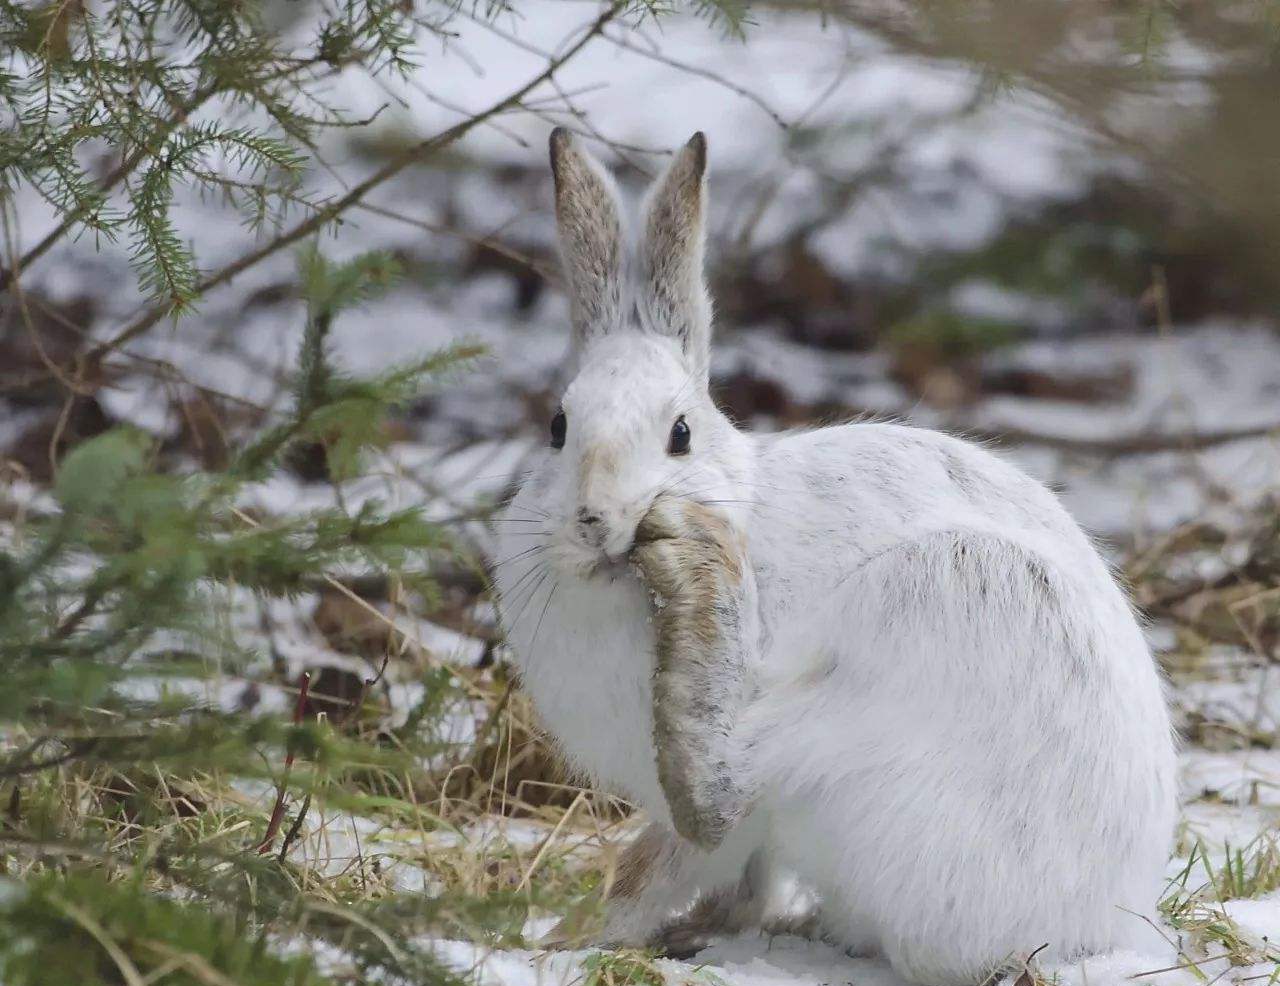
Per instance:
{"type": "Point", "coordinates": [1180, 966]}
{"type": "Point", "coordinates": [732, 86]}
{"type": "Point", "coordinates": [75, 750]}
{"type": "Point", "coordinates": [121, 171]}
{"type": "Point", "coordinates": [197, 965]}
{"type": "Point", "coordinates": [14, 811]}
{"type": "Point", "coordinates": [1142, 443]}
{"type": "Point", "coordinates": [127, 166]}
{"type": "Point", "coordinates": [393, 167]}
{"type": "Point", "coordinates": [358, 705]}
{"type": "Point", "coordinates": [128, 971]}
{"type": "Point", "coordinates": [277, 811]}
{"type": "Point", "coordinates": [545, 272]}
{"type": "Point", "coordinates": [16, 266]}
{"type": "Point", "coordinates": [546, 843]}
{"type": "Point", "coordinates": [295, 828]}
{"type": "Point", "coordinates": [93, 595]}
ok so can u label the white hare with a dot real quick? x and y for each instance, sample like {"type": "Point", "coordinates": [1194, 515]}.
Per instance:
{"type": "Point", "coordinates": [876, 656]}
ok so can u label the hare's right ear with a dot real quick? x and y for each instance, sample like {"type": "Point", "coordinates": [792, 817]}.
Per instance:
{"type": "Point", "coordinates": [591, 241]}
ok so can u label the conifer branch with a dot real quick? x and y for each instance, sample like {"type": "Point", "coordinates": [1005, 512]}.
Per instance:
{"type": "Point", "coordinates": [118, 174]}
{"type": "Point", "coordinates": [393, 167]}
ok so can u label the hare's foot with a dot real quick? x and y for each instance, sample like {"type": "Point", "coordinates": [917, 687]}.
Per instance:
{"type": "Point", "coordinates": [730, 910]}
{"type": "Point", "coordinates": [704, 614]}
{"type": "Point", "coordinates": [657, 879]}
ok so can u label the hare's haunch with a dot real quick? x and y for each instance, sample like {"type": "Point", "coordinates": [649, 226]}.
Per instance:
{"type": "Point", "coordinates": [878, 658]}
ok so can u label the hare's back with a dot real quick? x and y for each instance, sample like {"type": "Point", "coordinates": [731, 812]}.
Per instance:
{"type": "Point", "coordinates": [830, 502]}
{"type": "Point", "coordinates": [879, 484]}
{"type": "Point", "coordinates": [978, 694]}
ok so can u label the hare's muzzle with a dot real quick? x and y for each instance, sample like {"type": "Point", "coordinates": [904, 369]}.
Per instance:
{"type": "Point", "coordinates": [603, 530]}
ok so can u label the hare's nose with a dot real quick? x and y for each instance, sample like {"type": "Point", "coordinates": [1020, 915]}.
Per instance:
{"type": "Point", "coordinates": [592, 529]}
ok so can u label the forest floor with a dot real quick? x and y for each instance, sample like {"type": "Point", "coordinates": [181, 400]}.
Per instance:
{"type": "Point", "coordinates": [1159, 438]}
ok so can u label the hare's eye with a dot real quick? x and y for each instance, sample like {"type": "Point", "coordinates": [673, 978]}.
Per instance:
{"type": "Point", "coordinates": [559, 425]}
{"type": "Point", "coordinates": [680, 437]}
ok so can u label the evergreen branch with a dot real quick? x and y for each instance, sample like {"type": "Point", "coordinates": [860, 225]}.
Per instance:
{"type": "Point", "coordinates": [393, 167]}
{"type": "Point", "coordinates": [17, 767]}
{"type": "Point", "coordinates": [223, 78]}
{"type": "Point", "coordinates": [165, 266]}
{"type": "Point", "coordinates": [118, 174]}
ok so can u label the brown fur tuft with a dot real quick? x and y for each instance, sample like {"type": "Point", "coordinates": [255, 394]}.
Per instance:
{"type": "Point", "coordinates": [692, 560]}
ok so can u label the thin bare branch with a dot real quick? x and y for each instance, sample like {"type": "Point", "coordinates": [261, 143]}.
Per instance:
{"type": "Point", "coordinates": [394, 166]}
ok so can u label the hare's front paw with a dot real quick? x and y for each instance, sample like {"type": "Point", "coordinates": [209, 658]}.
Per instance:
{"type": "Point", "coordinates": [693, 562]}
{"type": "Point", "coordinates": [687, 554]}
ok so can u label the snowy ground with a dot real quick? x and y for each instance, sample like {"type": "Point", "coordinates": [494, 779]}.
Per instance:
{"type": "Point", "coordinates": [1190, 379]}
{"type": "Point", "coordinates": [1231, 801]}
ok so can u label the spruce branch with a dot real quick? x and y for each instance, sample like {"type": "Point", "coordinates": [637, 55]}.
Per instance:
{"type": "Point", "coordinates": [393, 167]}
{"type": "Point", "coordinates": [225, 69]}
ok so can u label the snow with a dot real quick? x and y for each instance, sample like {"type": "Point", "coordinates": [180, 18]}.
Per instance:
{"type": "Point", "coordinates": [956, 183]}
{"type": "Point", "coordinates": [787, 961]}
{"type": "Point", "coordinates": [1218, 812]}
{"type": "Point", "coordinates": [1258, 919]}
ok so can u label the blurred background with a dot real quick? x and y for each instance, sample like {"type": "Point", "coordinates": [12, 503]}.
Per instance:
{"type": "Point", "coordinates": [1050, 226]}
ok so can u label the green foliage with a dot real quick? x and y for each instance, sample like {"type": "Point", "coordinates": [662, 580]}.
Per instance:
{"type": "Point", "coordinates": [1056, 257]}
{"type": "Point", "coordinates": [156, 107]}
{"type": "Point", "coordinates": [1196, 909]}
{"type": "Point", "coordinates": [89, 930]}
{"type": "Point", "coordinates": [149, 88]}
{"type": "Point", "coordinates": [626, 967]}
{"type": "Point", "coordinates": [132, 551]}
{"type": "Point", "coordinates": [91, 476]}
{"type": "Point", "coordinates": [946, 336]}
{"type": "Point", "coordinates": [132, 585]}
{"type": "Point", "coordinates": [329, 407]}
{"type": "Point", "coordinates": [731, 16]}
{"type": "Point", "coordinates": [147, 819]}
{"type": "Point", "coordinates": [1153, 24]}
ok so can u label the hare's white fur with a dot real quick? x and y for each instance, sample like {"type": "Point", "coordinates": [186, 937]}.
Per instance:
{"type": "Point", "coordinates": [956, 732]}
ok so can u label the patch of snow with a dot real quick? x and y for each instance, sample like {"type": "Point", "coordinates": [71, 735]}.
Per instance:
{"type": "Point", "coordinates": [1243, 699]}
{"type": "Point", "coordinates": [752, 960]}
{"type": "Point", "coordinates": [1240, 777]}
{"type": "Point", "coordinates": [1258, 920]}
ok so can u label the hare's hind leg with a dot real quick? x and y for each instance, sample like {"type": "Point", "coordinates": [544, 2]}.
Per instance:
{"type": "Point", "coordinates": [996, 733]}
{"type": "Point", "coordinates": [728, 910]}
{"type": "Point", "coordinates": [662, 877]}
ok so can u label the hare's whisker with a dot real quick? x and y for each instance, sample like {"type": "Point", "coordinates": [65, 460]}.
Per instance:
{"type": "Point", "coordinates": [532, 510]}
{"type": "Point", "coordinates": [516, 557]}
{"type": "Point", "coordinates": [512, 594]}
{"type": "Point", "coordinates": [526, 598]}
{"type": "Point", "coordinates": [757, 505]}
{"type": "Point", "coordinates": [672, 482]}
{"type": "Point", "coordinates": [533, 643]}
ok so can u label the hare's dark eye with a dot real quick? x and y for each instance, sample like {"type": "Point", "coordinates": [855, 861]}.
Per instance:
{"type": "Point", "coordinates": [559, 425]}
{"type": "Point", "coordinates": [680, 437]}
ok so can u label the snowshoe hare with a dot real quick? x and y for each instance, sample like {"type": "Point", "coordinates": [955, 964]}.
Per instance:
{"type": "Point", "coordinates": [878, 657]}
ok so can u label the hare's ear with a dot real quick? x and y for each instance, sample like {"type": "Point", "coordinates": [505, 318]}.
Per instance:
{"type": "Point", "coordinates": [590, 228]}
{"type": "Point", "coordinates": [673, 294]}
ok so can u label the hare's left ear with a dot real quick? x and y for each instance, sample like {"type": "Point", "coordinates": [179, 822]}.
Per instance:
{"type": "Point", "coordinates": [589, 222]}
{"type": "Point", "coordinates": [673, 297]}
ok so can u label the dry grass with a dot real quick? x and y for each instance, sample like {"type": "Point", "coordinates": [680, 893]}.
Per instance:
{"type": "Point", "coordinates": [1195, 904]}
{"type": "Point", "coordinates": [494, 814]}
